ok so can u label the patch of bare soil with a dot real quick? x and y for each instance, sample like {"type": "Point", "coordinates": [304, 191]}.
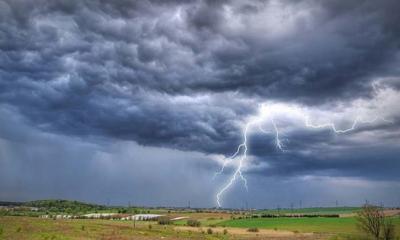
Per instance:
{"type": "Point", "coordinates": [268, 233]}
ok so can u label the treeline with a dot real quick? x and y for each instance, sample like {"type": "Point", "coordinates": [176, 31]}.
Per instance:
{"type": "Point", "coordinates": [288, 216]}
{"type": "Point", "coordinates": [298, 215]}
{"type": "Point", "coordinates": [65, 206]}
{"type": "Point", "coordinates": [7, 204]}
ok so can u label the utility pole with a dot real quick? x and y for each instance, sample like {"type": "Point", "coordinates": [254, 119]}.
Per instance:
{"type": "Point", "coordinates": [337, 203]}
{"type": "Point", "coordinates": [279, 208]}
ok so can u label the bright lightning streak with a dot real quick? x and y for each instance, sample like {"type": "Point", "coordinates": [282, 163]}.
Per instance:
{"type": "Point", "coordinates": [278, 141]}
{"type": "Point", "coordinates": [243, 147]}
{"type": "Point", "coordinates": [332, 126]}
{"type": "Point", "coordinates": [226, 160]}
{"type": "Point", "coordinates": [238, 171]}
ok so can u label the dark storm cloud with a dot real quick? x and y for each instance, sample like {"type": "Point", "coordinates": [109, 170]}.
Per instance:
{"type": "Point", "coordinates": [374, 163]}
{"type": "Point", "coordinates": [37, 165]}
{"type": "Point", "coordinates": [185, 74]}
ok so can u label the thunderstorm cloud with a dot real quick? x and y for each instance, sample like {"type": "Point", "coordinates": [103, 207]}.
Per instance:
{"type": "Point", "coordinates": [96, 94]}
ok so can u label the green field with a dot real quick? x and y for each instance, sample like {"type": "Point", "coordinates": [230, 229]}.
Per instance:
{"type": "Point", "coordinates": [315, 210]}
{"type": "Point", "coordinates": [21, 222]}
{"type": "Point", "coordinates": [317, 224]}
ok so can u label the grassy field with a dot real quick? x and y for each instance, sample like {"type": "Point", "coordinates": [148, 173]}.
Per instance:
{"type": "Point", "coordinates": [18, 223]}
{"type": "Point", "coordinates": [36, 228]}
{"type": "Point", "coordinates": [321, 211]}
{"type": "Point", "coordinates": [318, 224]}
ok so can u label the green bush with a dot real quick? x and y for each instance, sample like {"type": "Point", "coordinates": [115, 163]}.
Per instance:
{"type": "Point", "coordinates": [164, 221]}
{"type": "Point", "coordinates": [388, 231]}
{"type": "Point", "coordinates": [225, 231]}
{"type": "Point", "coordinates": [193, 223]}
{"type": "Point", "coordinates": [209, 231]}
{"type": "Point", "coordinates": [150, 227]}
{"type": "Point", "coordinates": [253, 229]}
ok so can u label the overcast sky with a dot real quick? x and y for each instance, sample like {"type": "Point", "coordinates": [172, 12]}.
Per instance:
{"type": "Point", "coordinates": [141, 102]}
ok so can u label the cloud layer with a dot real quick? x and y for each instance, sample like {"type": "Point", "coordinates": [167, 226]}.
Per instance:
{"type": "Point", "coordinates": [186, 76]}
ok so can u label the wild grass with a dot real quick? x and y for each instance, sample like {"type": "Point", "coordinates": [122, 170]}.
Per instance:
{"type": "Point", "coordinates": [318, 224]}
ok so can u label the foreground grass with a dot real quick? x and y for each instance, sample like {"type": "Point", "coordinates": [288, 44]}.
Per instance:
{"type": "Point", "coordinates": [36, 228]}
{"type": "Point", "coordinates": [317, 224]}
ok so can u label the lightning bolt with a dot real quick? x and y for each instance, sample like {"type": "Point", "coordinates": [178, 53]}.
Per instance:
{"type": "Point", "coordinates": [332, 126]}
{"type": "Point", "coordinates": [242, 149]}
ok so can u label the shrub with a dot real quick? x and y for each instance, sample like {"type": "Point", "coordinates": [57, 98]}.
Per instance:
{"type": "Point", "coordinates": [150, 226]}
{"type": "Point", "coordinates": [253, 229]}
{"type": "Point", "coordinates": [19, 229]}
{"type": "Point", "coordinates": [225, 231]}
{"type": "Point", "coordinates": [388, 232]}
{"type": "Point", "coordinates": [193, 223]}
{"type": "Point", "coordinates": [212, 225]}
{"type": "Point", "coordinates": [83, 228]}
{"type": "Point", "coordinates": [1, 231]}
{"type": "Point", "coordinates": [164, 221]}
{"type": "Point", "coordinates": [209, 231]}
{"type": "Point", "coordinates": [370, 220]}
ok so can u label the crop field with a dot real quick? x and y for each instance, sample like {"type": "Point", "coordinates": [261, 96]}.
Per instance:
{"type": "Point", "coordinates": [307, 224]}
{"type": "Point", "coordinates": [320, 211]}
{"type": "Point", "coordinates": [317, 224]}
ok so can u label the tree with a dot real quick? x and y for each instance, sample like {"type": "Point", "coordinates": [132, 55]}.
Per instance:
{"type": "Point", "coordinates": [388, 232]}
{"type": "Point", "coordinates": [372, 221]}
{"type": "Point", "coordinates": [193, 223]}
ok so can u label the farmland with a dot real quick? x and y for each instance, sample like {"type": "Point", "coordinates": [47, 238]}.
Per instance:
{"type": "Point", "coordinates": [320, 224]}
{"type": "Point", "coordinates": [309, 223]}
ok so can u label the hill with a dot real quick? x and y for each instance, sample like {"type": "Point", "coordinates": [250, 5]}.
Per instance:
{"type": "Point", "coordinates": [59, 205]}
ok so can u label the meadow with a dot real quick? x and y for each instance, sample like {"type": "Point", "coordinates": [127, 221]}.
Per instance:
{"type": "Point", "coordinates": [317, 224]}
{"type": "Point", "coordinates": [321, 223]}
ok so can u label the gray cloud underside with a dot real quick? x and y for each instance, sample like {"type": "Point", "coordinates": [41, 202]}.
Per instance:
{"type": "Point", "coordinates": [184, 74]}
{"type": "Point", "coordinates": [38, 165]}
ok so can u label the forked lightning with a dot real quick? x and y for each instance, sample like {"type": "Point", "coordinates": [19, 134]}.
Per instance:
{"type": "Point", "coordinates": [264, 115]}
